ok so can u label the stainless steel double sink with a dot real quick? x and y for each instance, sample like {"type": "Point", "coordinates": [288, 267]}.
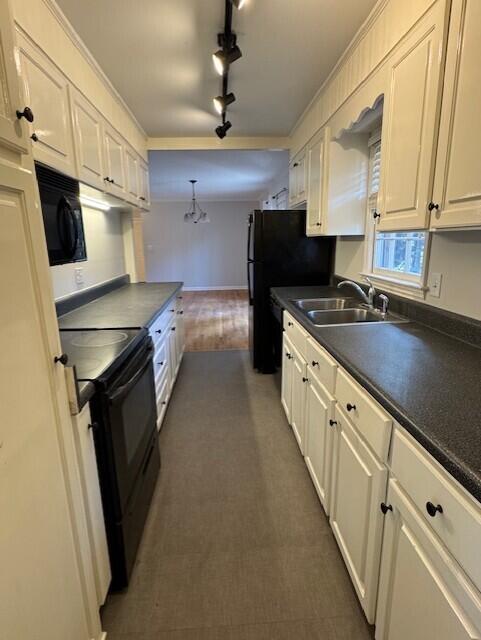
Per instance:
{"type": "Point", "coordinates": [341, 311]}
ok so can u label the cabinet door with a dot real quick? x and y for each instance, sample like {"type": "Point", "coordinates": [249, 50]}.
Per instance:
{"type": "Point", "coordinates": [180, 334]}
{"type": "Point", "coordinates": [89, 477]}
{"type": "Point", "coordinates": [409, 127]}
{"type": "Point", "coordinates": [88, 141]}
{"type": "Point", "coordinates": [132, 177]}
{"type": "Point", "coordinates": [319, 431]}
{"type": "Point", "coordinates": [286, 393]}
{"type": "Point", "coordinates": [293, 183]}
{"type": "Point", "coordinates": [315, 187]}
{"type": "Point", "coordinates": [457, 183]}
{"type": "Point", "coordinates": [114, 161]}
{"type": "Point", "coordinates": [46, 91]}
{"type": "Point", "coordinates": [13, 131]}
{"type": "Point", "coordinates": [41, 580]}
{"type": "Point", "coordinates": [359, 486]}
{"type": "Point", "coordinates": [173, 353]}
{"type": "Point", "coordinates": [144, 187]}
{"type": "Point", "coordinates": [301, 178]}
{"type": "Point", "coordinates": [423, 594]}
{"type": "Point", "coordinates": [298, 402]}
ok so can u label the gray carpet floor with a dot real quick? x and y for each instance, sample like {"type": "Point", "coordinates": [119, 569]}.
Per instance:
{"type": "Point", "coordinates": [236, 546]}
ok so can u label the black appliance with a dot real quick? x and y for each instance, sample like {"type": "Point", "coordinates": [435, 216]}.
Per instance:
{"type": "Point", "coordinates": [279, 254]}
{"type": "Point", "coordinates": [124, 414]}
{"type": "Point", "coordinates": [62, 216]}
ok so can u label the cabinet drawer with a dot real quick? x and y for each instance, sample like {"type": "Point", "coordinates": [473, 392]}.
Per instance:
{"type": "Point", "coordinates": [424, 480]}
{"type": "Point", "coordinates": [296, 333]}
{"type": "Point", "coordinates": [158, 328]}
{"type": "Point", "coordinates": [322, 366]}
{"type": "Point", "coordinates": [162, 393]}
{"type": "Point", "coordinates": [364, 412]}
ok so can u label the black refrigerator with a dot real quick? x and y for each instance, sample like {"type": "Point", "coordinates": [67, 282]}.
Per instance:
{"type": "Point", "coordinates": [279, 254]}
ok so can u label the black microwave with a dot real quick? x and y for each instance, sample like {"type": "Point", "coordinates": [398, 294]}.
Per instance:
{"type": "Point", "coordinates": [62, 216]}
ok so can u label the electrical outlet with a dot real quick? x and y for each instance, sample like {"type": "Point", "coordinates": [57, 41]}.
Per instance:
{"type": "Point", "coordinates": [79, 275]}
{"type": "Point", "coordinates": [435, 284]}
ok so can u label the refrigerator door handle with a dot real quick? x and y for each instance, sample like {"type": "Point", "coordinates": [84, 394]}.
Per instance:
{"type": "Point", "coordinates": [249, 236]}
{"type": "Point", "coordinates": [249, 283]}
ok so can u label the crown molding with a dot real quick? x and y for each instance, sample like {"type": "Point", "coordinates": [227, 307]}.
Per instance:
{"type": "Point", "coordinates": [211, 142]}
{"type": "Point", "coordinates": [359, 35]}
{"type": "Point", "coordinates": [76, 40]}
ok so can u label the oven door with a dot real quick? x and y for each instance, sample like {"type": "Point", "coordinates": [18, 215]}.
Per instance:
{"type": "Point", "coordinates": [132, 415]}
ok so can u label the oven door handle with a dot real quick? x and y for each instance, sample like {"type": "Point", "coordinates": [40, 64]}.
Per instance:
{"type": "Point", "coordinates": [122, 391]}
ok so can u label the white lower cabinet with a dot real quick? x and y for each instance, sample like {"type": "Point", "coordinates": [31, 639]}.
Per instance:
{"type": "Point", "coordinates": [319, 425]}
{"type": "Point", "coordinates": [286, 393]}
{"type": "Point", "coordinates": [423, 594]}
{"type": "Point", "coordinates": [298, 398]}
{"type": "Point", "coordinates": [359, 482]}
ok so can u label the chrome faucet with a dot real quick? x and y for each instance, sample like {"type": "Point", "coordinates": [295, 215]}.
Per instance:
{"type": "Point", "coordinates": [369, 298]}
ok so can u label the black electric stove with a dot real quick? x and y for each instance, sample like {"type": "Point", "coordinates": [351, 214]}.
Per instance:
{"type": "Point", "coordinates": [124, 421]}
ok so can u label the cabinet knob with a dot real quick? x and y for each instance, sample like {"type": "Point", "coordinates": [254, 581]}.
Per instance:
{"type": "Point", "coordinates": [181, 312]}
{"type": "Point", "coordinates": [433, 509]}
{"type": "Point", "coordinates": [63, 359]}
{"type": "Point", "coordinates": [376, 215]}
{"type": "Point", "coordinates": [318, 224]}
{"type": "Point", "coordinates": [332, 423]}
{"type": "Point", "coordinates": [314, 363]}
{"type": "Point", "coordinates": [290, 324]}
{"type": "Point", "coordinates": [305, 379]}
{"type": "Point", "coordinates": [94, 426]}
{"type": "Point", "coordinates": [27, 113]}
{"type": "Point", "coordinates": [350, 407]}
{"type": "Point", "coordinates": [288, 355]}
{"type": "Point", "coordinates": [160, 363]}
{"type": "Point", "coordinates": [158, 331]}
{"type": "Point", "coordinates": [433, 205]}
{"type": "Point", "coordinates": [172, 328]}
{"type": "Point", "coordinates": [142, 198]}
{"type": "Point", "coordinates": [385, 507]}
{"type": "Point", "coordinates": [34, 137]}
{"type": "Point", "coordinates": [164, 402]}
{"type": "Point", "coordinates": [296, 164]}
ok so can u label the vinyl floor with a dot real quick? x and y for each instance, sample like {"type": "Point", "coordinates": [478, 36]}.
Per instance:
{"type": "Point", "coordinates": [236, 546]}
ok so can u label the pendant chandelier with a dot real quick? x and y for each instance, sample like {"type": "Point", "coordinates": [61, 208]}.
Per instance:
{"type": "Point", "coordinates": [195, 214]}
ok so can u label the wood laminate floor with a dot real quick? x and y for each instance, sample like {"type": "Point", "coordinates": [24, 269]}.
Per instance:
{"type": "Point", "coordinates": [216, 320]}
{"type": "Point", "coordinates": [236, 545]}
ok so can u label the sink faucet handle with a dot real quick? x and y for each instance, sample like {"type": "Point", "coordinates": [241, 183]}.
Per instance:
{"type": "Point", "coordinates": [384, 300]}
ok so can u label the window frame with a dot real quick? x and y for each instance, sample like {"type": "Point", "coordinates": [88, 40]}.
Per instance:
{"type": "Point", "coordinates": [407, 285]}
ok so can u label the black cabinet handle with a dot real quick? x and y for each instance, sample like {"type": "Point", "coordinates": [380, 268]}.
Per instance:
{"type": "Point", "coordinates": [296, 164]}
{"type": "Point", "coordinates": [164, 402]}
{"type": "Point", "coordinates": [433, 509]}
{"type": "Point", "coordinates": [94, 426]}
{"type": "Point", "coordinates": [172, 328]}
{"type": "Point", "coordinates": [27, 113]}
{"type": "Point", "coordinates": [288, 355]}
{"type": "Point", "coordinates": [142, 198]}
{"type": "Point", "coordinates": [433, 205]}
{"type": "Point", "coordinates": [305, 379]}
{"type": "Point", "coordinates": [376, 215]}
{"type": "Point", "coordinates": [171, 310]}
{"type": "Point", "coordinates": [34, 137]}
{"type": "Point", "coordinates": [181, 312]}
{"type": "Point", "coordinates": [385, 507]}
{"type": "Point", "coordinates": [318, 224]}
{"type": "Point", "coordinates": [350, 407]}
{"type": "Point", "coordinates": [63, 359]}
{"type": "Point", "coordinates": [314, 363]}
{"type": "Point", "coordinates": [158, 331]}
{"type": "Point", "coordinates": [290, 324]}
{"type": "Point", "coordinates": [332, 423]}
{"type": "Point", "coordinates": [179, 298]}
{"type": "Point", "coordinates": [160, 363]}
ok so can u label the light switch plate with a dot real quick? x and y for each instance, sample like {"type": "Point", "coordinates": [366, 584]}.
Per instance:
{"type": "Point", "coordinates": [435, 284]}
{"type": "Point", "coordinates": [79, 275]}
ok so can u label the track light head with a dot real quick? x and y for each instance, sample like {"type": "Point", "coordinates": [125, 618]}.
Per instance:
{"type": "Point", "coordinates": [222, 102]}
{"type": "Point", "coordinates": [238, 4]}
{"type": "Point", "coordinates": [224, 58]}
{"type": "Point", "coordinates": [222, 129]}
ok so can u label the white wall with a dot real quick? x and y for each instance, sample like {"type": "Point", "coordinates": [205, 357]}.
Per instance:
{"type": "Point", "coordinates": [203, 256]}
{"type": "Point", "coordinates": [456, 255]}
{"type": "Point", "coordinates": [105, 254]}
{"type": "Point", "coordinates": [281, 181]}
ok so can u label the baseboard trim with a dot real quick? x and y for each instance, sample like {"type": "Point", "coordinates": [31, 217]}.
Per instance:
{"type": "Point", "coordinates": [227, 288]}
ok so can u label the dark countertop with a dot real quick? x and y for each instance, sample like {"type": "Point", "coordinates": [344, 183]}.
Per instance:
{"type": "Point", "coordinates": [428, 381]}
{"type": "Point", "coordinates": [133, 306]}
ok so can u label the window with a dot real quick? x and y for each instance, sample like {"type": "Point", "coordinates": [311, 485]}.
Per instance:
{"type": "Point", "coordinates": [398, 256]}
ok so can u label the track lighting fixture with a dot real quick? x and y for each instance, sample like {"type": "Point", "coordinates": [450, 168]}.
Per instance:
{"type": "Point", "coordinates": [238, 4]}
{"type": "Point", "coordinates": [222, 129]}
{"type": "Point", "coordinates": [222, 102]}
{"type": "Point", "coordinates": [224, 58]}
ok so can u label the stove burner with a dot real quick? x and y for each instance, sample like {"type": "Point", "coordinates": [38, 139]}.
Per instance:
{"type": "Point", "coordinates": [98, 338]}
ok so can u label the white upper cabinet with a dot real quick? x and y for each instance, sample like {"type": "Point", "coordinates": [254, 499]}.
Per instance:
{"type": "Point", "coordinates": [144, 187]}
{"type": "Point", "coordinates": [298, 179]}
{"type": "Point", "coordinates": [457, 184]}
{"type": "Point", "coordinates": [131, 175]}
{"type": "Point", "coordinates": [13, 130]}
{"type": "Point", "coordinates": [88, 141]}
{"type": "Point", "coordinates": [114, 162]}
{"type": "Point", "coordinates": [409, 130]}
{"type": "Point", "coordinates": [46, 92]}
{"type": "Point", "coordinates": [337, 184]}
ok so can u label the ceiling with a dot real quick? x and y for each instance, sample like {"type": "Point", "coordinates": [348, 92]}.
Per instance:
{"type": "Point", "coordinates": [222, 175]}
{"type": "Point", "coordinates": [157, 53]}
